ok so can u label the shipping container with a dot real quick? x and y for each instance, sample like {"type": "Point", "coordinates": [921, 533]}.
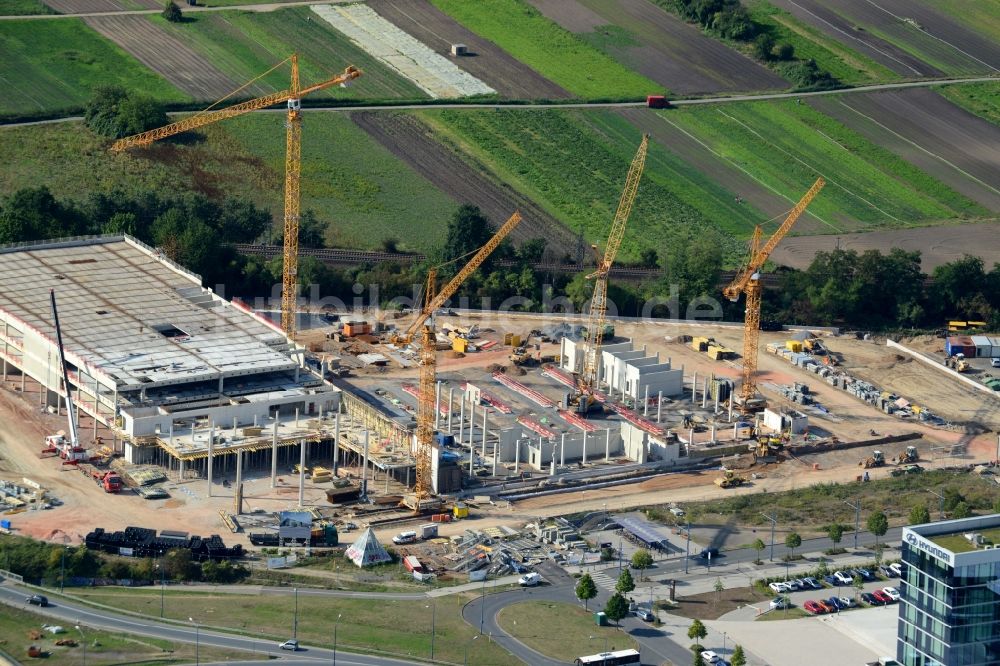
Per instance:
{"type": "Point", "coordinates": [982, 344]}
{"type": "Point", "coordinates": [657, 101]}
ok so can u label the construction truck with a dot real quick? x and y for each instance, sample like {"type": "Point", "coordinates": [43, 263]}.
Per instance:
{"type": "Point", "coordinates": [522, 356]}
{"type": "Point", "coordinates": [876, 459]}
{"type": "Point", "coordinates": [907, 457]}
{"type": "Point", "coordinates": [729, 479]}
{"type": "Point", "coordinates": [766, 448]}
{"type": "Point", "coordinates": [107, 479]}
{"type": "Point", "coordinates": [957, 362]}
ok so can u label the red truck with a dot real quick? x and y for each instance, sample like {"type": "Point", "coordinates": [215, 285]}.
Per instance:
{"type": "Point", "coordinates": [657, 102]}
{"type": "Point", "coordinates": [107, 479]}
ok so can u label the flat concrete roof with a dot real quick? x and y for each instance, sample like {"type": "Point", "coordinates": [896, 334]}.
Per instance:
{"type": "Point", "coordinates": [131, 314]}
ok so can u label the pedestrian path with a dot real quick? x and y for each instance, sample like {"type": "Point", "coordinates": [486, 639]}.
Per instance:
{"type": "Point", "coordinates": [602, 579]}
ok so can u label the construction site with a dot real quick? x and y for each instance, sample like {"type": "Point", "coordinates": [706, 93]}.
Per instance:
{"type": "Point", "coordinates": [192, 412]}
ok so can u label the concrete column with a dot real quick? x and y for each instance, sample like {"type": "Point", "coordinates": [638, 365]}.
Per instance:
{"type": "Point", "coordinates": [731, 404]}
{"type": "Point", "coordinates": [239, 470]}
{"type": "Point", "coordinates": [584, 447]}
{"type": "Point", "coordinates": [645, 401]}
{"type": "Point", "coordinates": [461, 420]}
{"type": "Point", "coordinates": [364, 467]}
{"type": "Point", "coordinates": [716, 402]}
{"type": "Point", "coordinates": [713, 433]}
{"type": "Point", "coordinates": [694, 388]}
{"type": "Point", "coordinates": [562, 451]}
{"type": "Point", "coordinates": [486, 413]}
{"type": "Point", "coordinates": [451, 406]}
{"type": "Point", "coordinates": [495, 450]}
{"type": "Point", "coordinates": [552, 467]}
{"type": "Point", "coordinates": [97, 392]}
{"type": "Point", "coordinates": [437, 406]}
{"type": "Point", "coordinates": [607, 445]}
{"type": "Point", "coordinates": [517, 456]}
{"type": "Point", "coordinates": [302, 472]}
{"type": "Point", "coordinates": [211, 446]}
{"type": "Point", "coordinates": [336, 441]}
{"type": "Point", "coordinates": [296, 417]}
{"type": "Point", "coordinates": [274, 452]}
{"type": "Point", "coordinates": [734, 433]}
{"type": "Point", "coordinates": [180, 466]}
{"type": "Point", "coordinates": [170, 433]}
{"type": "Point", "coordinates": [472, 423]}
{"type": "Point", "coordinates": [659, 406]}
{"type": "Point", "coordinates": [691, 437]}
{"type": "Point", "coordinates": [704, 395]}
{"type": "Point", "coordinates": [472, 459]}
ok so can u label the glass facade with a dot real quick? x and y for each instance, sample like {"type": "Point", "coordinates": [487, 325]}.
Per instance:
{"type": "Point", "coordinates": [948, 616]}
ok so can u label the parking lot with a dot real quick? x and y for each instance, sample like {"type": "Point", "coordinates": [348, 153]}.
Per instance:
{"type": "Point", "coordinates": [847, 591]}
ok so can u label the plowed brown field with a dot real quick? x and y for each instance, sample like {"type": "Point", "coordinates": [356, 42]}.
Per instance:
{"type": "Point", "coordinates": [667, 50]}
{"type": "Point", "coordinates": [164, 54]}
{"type": "Point", "coordinates": [953, 145]}
{"type": "Point", "coordinates": [410, 140]}
{"type": "Point", "coordinates": [85, 6]}
{"type": "Point", "coordinates": [486, 61]}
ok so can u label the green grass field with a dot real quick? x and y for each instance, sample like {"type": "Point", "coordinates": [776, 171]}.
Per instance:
{"type": "Point", "coordinates": [247, 44]}
{"type": "Point", "coordinates": [53, 65]}
{"type": "Point", "coordinates": [787, 145]}
{"type": "Point", "coordinates": [574, 164]}
{"type": "Point", "coordinates": [847, 65]}
{"type": "Point", "coordinates": [982, 99]}
{"type": "Point", "coordinates": [401, 628]}
{"type": "Point", "coordinates": [362, 190]}
{"type": "Point", "coordinates": [25, 8]}
{"type": "Point", "coordinates": [550, 50]}
{"type": "Point", "coordinates": [103, 648]}
{"type": "Point", "coordinates": [561, 631]}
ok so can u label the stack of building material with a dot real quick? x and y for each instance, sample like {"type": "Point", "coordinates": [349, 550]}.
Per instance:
{"type": "Point", "coordinates": [518, 387]}
{"type": "Point", "coordinates": [321, 475]}
{"type": "Point", "coordinates": [564, 378]}
{"type": "Point", "coordinates": [638, 421]}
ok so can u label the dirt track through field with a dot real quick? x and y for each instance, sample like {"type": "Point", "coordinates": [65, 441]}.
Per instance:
{"type": "Point", "coordinates": [669, 51]}
{"type": "Point", "coordinates": [953, 145]}
{"type": "Point", "coordinates": [165, 55]}
{"type": "Point", "coordinates": [410, 140]}
{"type": "Point", "coordinates": [486, 61]}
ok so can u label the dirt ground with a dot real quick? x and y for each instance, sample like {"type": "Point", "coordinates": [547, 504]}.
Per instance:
{"type": "Point", "coordinates": [486, 61]}
{"type": "Point", "coordinates": [668, 51]}
{"type": "Point", "coordinates": [407, 138]}
{"type": "Point", "coordinates": [164, 54]}
{"type": "Point", "coordinates": [930, 132]}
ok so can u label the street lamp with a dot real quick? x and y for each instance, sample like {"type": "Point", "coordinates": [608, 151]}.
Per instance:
{"type": "Point", "coordinates": [857, 520]}
{"type": "Point", "coordinates": [335, 625]}
{"type": "Point", "coordinates": [162, 571]}
{"type": "Point", "coordinates": [773, 518]}
{"type": "Point", "coordinates": [482, 607]}
{"type": "Point", "coordinates": [433, 607]}
{"type": "Point", "coordinates": [941, 503]}
{"type": "Point", "coordinates": [83, 642]}
{"type": "Point", "coordinates": [723, 643]}
{"type": "Point", "coordinates": [465, 661]}
{"type": "Point", "coordinates": [197, 650]}
{"type": "Point", "coordinates": [295, 619]}
{"type": "Point", "coordinates": [62, 575]}
{"type": "Point", "coordinates": [605, 653]}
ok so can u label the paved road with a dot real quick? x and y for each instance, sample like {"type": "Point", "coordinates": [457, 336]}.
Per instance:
{"type": "Point", "coordinates": [70, 613]}
{"type": "Point", "coordinates": [587, 105]}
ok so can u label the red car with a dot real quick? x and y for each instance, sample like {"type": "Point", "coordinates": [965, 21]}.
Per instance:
{"type": "Point", "coordinates": [882, 597]}
{"type": "Point", "coordinates": [813, 607]}
{"type": "Point", "coordinates": [827, 606]}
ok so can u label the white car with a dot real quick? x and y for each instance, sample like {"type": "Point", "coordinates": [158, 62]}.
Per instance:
{"type": "Point", "coordinates": [529, 580]}
{"type": "Point", "coordinates": [898, 568]}
{"type": "Point", "coordinates": [677, 512]}
{"type": "Point", "coordinates": [710, 657]}
{"type": "Point", "coordinates": [779, 587]}
{"type": "Point", "coordinates": [843, 578]}
{"type": "Point", "coordinates": [292, 645]}
{"type": "Point", "coordinates": [847, 601]}
{"type": "Point", "coordinates": [891, 592]}
{"type": "Point", "coordinates": [778, 603]}
{"type": "Point", "coordinates": [995, 362]}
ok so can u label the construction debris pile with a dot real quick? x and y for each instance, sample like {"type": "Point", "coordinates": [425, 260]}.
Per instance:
{"type": "Point", "coordinates": [15, 498]}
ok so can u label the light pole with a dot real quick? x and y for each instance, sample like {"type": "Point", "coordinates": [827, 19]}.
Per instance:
{"type": "Point", "coordinates": [941, 503]}
{"type": "Point", "coordinates": [162, 585]}
{"type": "Point", "coordinates": [482, 607]}
{"type": "Point", "coordinates": [295, 619]}
{"type": "Point", "coordinates": [773, 518]}
{"type": "Point", "coordinates": [687, 547]}
{"type": "Point", "coordinates": [857, 519]}
{"type": "Point", "coordinates": [197, 646]}
{"type": "Point", "coordinates": [465, 662]}
{"type": "Point", "coordinates": [433, 607]}
{"type": "Point", "coordinates": [83, 642]}
{"type": "Point", "coordinates": [62, 575]}
{"type": "Point", "coordinates": [335, 625]}
{"type": "Point", "coordinates": [723, 643]}
{"type": "Point", "coordinates": [605, 653]}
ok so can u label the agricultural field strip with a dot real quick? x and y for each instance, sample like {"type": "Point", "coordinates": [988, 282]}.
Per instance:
{"type": "Point", "coordinates": [744, 170]}
{"type": "Point", "coordinates": [829, 179]}
{"type": "Point", "coordinates": [410, 57]}
{"type": "Point", "coordinates": [921, 148]}
{"type": "Point", "coordinates": [77, 6]}
{"type": "Point", "coordinates": [164, 54]}
{"type": "Point", "coordinates": [926, 31]}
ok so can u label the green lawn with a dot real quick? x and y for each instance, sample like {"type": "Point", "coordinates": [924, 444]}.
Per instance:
{"type": "Point", "coordinates": [350, 181]}
{"type": "Point", "coordinates": [573, 163]}
{"type": "Point", "coordinates": [401, 628]}
{"type": "Point", "coordinates": [555, 53]}
{"type": "Point", "coordinates": [52, 66]}
{"type": "Point", "coordinates": [24, 8]}
{"type": "Point", "coordinates": [103, 648]}
{"type": "Point", "coordinates": [561, 631]}
{"type": "Point", "coordinates": [244, 45]}
{"type": "Point", "coordinates": [788, 144]}
{"type": "Point", "coordinates": [982, 99]}
{"type": "Point", "coordinates": [847, 65]}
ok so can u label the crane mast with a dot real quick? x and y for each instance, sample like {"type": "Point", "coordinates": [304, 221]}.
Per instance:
{"type": "Point", "coordinates": [293, 165]}
{"type": "Point", "coordinates": [599, 301]}
{"type": "Point", "coordinates": [747, 282]}
{"type": "Point", "coordinates": [70, 408]}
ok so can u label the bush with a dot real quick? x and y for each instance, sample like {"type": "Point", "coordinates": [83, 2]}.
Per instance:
{"type": "Point", "coordinates": [116, 113]}
{"type": "Point", "coordinates": [172, 12]}
{"type": "Point", "coordinates": [785, 52]}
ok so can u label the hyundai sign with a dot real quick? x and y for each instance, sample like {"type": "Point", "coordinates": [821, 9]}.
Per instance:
{"type": "Point", "coordinates": [917, 542]}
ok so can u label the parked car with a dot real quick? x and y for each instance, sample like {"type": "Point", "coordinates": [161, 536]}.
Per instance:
{"type": "Point", "coordinates": [869, 599]}
{"type": "Point", "coordinates": [882, 597]}
{"type": "Point", "coordinates": [843, 578]}
{"type": "Point", "coordinates": [779, 587]}
{"type": "Point", "coordinates": [677, 512]}
{"type": "Point", "coordinates": [529, 580]}
{"type": "Point", "coordinates": [836, 603]}
{"type": "Point", "coordinates": [898, 568]}
{"type": "Point", "coordinates": [887, 571]}
{"type": "Point", "coordinates": [865, 574]}
{"type": "Point", "coordinates": [891, 592]}
{"type": "Point", "coordinates": [995, 362]}
{"type": "Point", "coordinates": [827, 606]}
{"type": "Point", "coordinates": [831, 580]}
{"type": "Point", "coordinates": [813, 607]}
{"type": "Point", "coordinates": [813, 583]}
{"type": "Point", "coordinates": [292, 645]}
{"type": "Point", "coordinates": [37, 600]}
{"type": "Point", "coordinates": [847, 601]}
{"type": "Point", "coordinates": [644, 614]}
{"type": "Point", "coordinates": [778, 603]}
{"type": "Point", "coordinates": [793, 585]}
{"type": "Point", "coordinates": [709, 657]}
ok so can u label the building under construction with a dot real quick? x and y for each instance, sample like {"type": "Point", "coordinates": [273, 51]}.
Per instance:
{"type": "Point", "coordinates": [174, 372]}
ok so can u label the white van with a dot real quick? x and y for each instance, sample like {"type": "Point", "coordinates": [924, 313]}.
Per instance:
{"type": "Point", "coordinates": [404, 537]}
{"type": "Point", "coordinates": [529, 580]}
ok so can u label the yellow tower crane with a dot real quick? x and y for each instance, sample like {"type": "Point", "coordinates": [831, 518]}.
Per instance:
{"type": "Point", "coordinates": [293, 157]}
{"type": "Point", "coordinates": [747, 281]}
{"type": "Point", "coordinates": [423, 323]}
{"type": "Point", "coordinates": [599, 302]}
